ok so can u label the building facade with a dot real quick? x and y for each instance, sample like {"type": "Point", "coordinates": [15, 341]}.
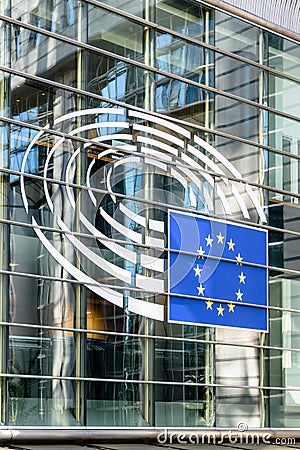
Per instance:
{"type": "Point", "coordinates": [112, 114]}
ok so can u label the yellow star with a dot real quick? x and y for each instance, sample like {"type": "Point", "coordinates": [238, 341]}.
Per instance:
{"type": "Point", "coordinates": [239, 259]}
{"type": "Point", "coordinates": [209, 304]}
{"type": "Point", "coordinates": [197, 271]}
{"type": "Point", "coordinates": [201, 253]}
{"type": "Point", "coordinates": [242, 277]}
{"type": "Point", "coordinates": [231, 307]}
{"type": "Point", "coordinates": [231, 245]}
{"type": "Point", "coordinates": [220, 310]}
{"type": "Point", "coordinates": [209, 241]}
{"type": "Point", "coordinates": [220, 238]}
{"type": "Point", "coordinates": [239, 295]}
{"type": "Point", "coordinates": [201, 289]}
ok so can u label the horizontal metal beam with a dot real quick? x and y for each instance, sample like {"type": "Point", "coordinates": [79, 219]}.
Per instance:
{"type": "Point", "coordinates": [37, 435]}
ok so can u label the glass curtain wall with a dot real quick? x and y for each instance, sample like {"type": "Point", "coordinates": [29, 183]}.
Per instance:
{"type": "Point", "coordinates": [103, 111]}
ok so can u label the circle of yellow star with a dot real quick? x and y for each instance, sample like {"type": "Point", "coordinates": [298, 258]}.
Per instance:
{"type": "Point", "coordinates": [209, 241]}
{"type": "Point", "coordinates": [231, 244]}
{"type": "Point", "coordinates": [239, 295]}
{"type": "Point", "coordinates": [231, 307]}
{"type": "Point", "coordinates": [201, 253]}
{"type": "Point", "coordinates": [197, 271]}
{"type": "Point", "coordinates": [220, 310]}
{"type": "Point", "coordinates": [242, 278]}
{"type": "Point", "coordinates": [220, 238]}
{"type": "Point", "coordinates": [239, 259]}
{"type": "Point", "coordinates": [209, 304]}
{"type": "Point", "coordinates": [201, 289]}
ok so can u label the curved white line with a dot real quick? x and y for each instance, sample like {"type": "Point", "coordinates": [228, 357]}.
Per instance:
{"type": "Point", "coordinates": [91, 126]}
{"type": "Point", "coordinates": [240, 201]}
{"type": "Point", "coordinates": [159, 133]}
{"type": "Point", "coordinates": [146, 309]}
{"type": "Point", "coordinates": [217, 169]}
{"type": "Point", "coordinates": [234, 171]}
{"type": "Point", "coordinates": [130, 234]}
{"type": "Point", "coordinates": [109, 267]}
{"type": "Point", "coordinates": [154, 242]}
{"type": "Point", "coordinates": [163, 122]}
{"type": "Point", "coordinates": [156, 154]}
{"type": "Point", "coordinates": [92, 111]}
{"type": "Point", "coordinates": [49, 156]}
{"type": "Point", "coordinates": [218, 156]}
{"type": "Point", "coordinates": [224, 200]}
{"type": "Point", "coordinates": [109, 137]}
{"type": "Point", "coordinates": [114, 247]}
{"type": "Point", "coordinates": [22, 185]}
{"type": "Point", "coordinates": [179, 177]}
{"type": "Point", "coordinates": [206, 176]}
{"type": "Point", "coordinates": [157, 225]}
{"type": "Point", "coordinates": [108, 294]}
{"type": "Point", "coordinates": [88, 183]}
{"type": "Point", "coordinates": [117, 164]}
{"type": "Point", "coordinates": [68, 168]}
{"type": "Point", "coordinates": [150, 262]}
{"type": "Point", "coordinates": [158, 144]}
{"type": "Point", "coordinates": [133, 216]}
{"type": "Point", "coordinates": [256, 203]}
{"type": "Point", "coordinates": [197, 166]}
{"type": "Point", "coordinates": [161, 165]}
{"type": "Point", "coordinates": [149, 284]}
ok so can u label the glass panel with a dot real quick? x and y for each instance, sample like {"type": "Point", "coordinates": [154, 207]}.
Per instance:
{"type": "Point", "coordinates": [114, 404]}
{"type": "Point", "coordinates": [116, 80]}
{"type": "Point", "coordinates": [182, 17]}
{"type": "Point", "coordinates": [38, 402]}
{"type": "Point", "coordinates": [179, 57]}
{"type": "Point", "coordinates": [59, 17]}
{"type": "Point", "coordinates": [188, 363]}
{"type": "Point", "coordinates": [41, 302]}
{"type": "Point", "coordinates": [116, 34]}
{"type": "Point", "coordinates": [135, 7]}
{"type": "Point", "coordinates": [281, 415]}
{"type": "Point", "coordinates": [236, 36]}
{"type": "Point", "coordinates": [282, 95]}
{"type": "Point", "coordinates": [282, 54]}
{"type": "Point", "coordinates": [30, 53]}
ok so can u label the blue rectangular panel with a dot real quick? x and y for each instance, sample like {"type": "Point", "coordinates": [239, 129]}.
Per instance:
{"type": "Point", "coordinates": [217, 273]}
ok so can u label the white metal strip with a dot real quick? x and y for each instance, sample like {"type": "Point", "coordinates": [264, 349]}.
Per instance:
{"type": "Point", "coordinates": [149, 284]}
{"type": "Point", "coordinates": [158, 144]}
{"type": "Point", "coordinates": [123, 252]}
{"type": "Point", "coordinates": [152, 263]}
{"type": "Point", "coordinates": [161, 134]}
{"type": "Point", "coordinates": [146, 309]}
{"type": "Point", "coordinates": [154, 242]}
{"type": "Point", "coordinates": [163, 122]}
{"type": "Point", "coordinates": [130, 234]}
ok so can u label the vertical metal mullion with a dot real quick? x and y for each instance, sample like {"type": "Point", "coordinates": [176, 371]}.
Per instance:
{"type": "Point", "coordinates": [209, 407]}
{"type": "Point", "coordinates": [5, 57]}
{"type": "Point", "coordinates": [149, 105]}
{"type": "Point", "coordinates": [261, 168]}
{"type": "Point", "coordinates": [80, 301]}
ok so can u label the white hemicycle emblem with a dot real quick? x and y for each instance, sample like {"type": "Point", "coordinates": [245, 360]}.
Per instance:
{"type": "Point", "coordinates": [125, 147]}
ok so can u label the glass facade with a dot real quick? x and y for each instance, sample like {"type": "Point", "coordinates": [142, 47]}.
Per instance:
{"type": "Point", "coordinates": [113, 113]}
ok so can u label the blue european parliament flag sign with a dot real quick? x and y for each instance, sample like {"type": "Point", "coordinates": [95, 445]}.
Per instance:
{"type": "Point", "coordinates": [218, 273]}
